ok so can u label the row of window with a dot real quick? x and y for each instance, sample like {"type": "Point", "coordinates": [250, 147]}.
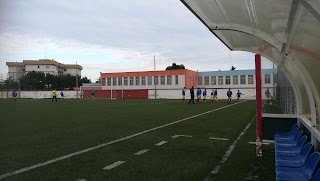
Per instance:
{"type": "Point", "coordinates": [47, 67]}
{"type": "Point", "coordinates": [235, 80]}
{"type": "Point", "coordinates": [125, 81]}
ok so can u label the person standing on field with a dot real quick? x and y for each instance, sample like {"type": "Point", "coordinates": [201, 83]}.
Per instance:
{"type": "Point", "coordinates": [191, 95]}
{"type": "Point", "coordinates": [14, 95]}
{"type": "Point", "coordinates": [183, 94]}
{"type": "Point", "coordinates": [54, 95]}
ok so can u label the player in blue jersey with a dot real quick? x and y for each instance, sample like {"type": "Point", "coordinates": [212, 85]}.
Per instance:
{"type": "Point", "coordinates": [14, 95]}
{"type": "Point", "coordinates": [93, 95]}
{"type": "Point", "coordinates": [204, 94]}
{"type": "Point", "coordinates": [239, 95]}
{"type": "Point", "coordinates": [62, 95]}
{"type": "Point", "coordinates": [229, 94]}
{"type": "Point", "coordinates": [183, 94]}
{"type": "Point", "coordinates": [81, 94]}
{"type": "Point", "coordinates": [215, 94]}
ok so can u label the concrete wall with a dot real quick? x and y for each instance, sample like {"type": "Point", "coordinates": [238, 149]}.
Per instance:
{"type": "Point", "coordinates": [222, 94]}
{"type": "Point", "coordinates": [38, 94]}
{"type": "Point", "coordinates": [72, 71]}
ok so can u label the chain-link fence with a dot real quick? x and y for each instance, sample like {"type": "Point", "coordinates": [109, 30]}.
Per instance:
{"type": "Point", "coordinates": [285, 94]}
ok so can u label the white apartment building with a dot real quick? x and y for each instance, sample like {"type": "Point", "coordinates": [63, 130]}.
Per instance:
{"type": "Point", "coordinates": [50, 66]}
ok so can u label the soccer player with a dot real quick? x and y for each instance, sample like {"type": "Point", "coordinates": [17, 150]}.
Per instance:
{"type": "Point", "coordinates": [191, 95]}
{"type": "Point", "coordinates": [183, 94]}
{"type": "Point", "coordinates": [204, 94]}
{"type": "Point", "coordinates": [81, 94]}
{"type": "Point", "coordinates": [54, 95]}
{"type": "Point", "coordinates": [268, 94]}
{"type": "Point", "coordinates": [239, 95]}
{"type": "Point", "coordinates": [229, 94]}
{"type": "Point", "coordinates": [215, 94]}
{"type": "Point", "coordinates": [199, 95]}
{"type": "Point", "coordinates": [212, 96]}
{"type": "Point", "coordinates": [93, 94]}
{"type": "Point", "coordinates": [62, 95]}
{"type": "Point", "coordinates": [14, 95]}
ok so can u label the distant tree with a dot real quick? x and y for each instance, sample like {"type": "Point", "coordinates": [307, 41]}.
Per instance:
{"type": "Point", "coordinates": [85, 80]}
{"type": "Point", "coordinates": [174, 66]}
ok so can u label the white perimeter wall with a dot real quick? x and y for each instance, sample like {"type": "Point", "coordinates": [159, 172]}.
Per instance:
{"type": "Point", "coordinates": [222, 93]}
{"type": "Point", "coordinates": [39, 94]}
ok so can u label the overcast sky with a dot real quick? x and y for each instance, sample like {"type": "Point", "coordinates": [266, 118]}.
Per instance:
{"type": "Point", "coordinates": [111, 36]}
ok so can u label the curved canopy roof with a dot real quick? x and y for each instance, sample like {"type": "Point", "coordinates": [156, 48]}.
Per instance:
{"type": "Point", "coordinates": [287, 32]}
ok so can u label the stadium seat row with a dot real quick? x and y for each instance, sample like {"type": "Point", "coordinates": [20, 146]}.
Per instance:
{"type": "Point", "coordinates": [295, 157]}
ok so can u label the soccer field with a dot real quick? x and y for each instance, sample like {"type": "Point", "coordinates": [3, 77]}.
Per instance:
{"type": "Point", "coordinates": [84, 139]}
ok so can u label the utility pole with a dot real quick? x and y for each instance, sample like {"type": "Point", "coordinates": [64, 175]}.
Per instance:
{"type": "Point", "coordinates": [154, 77]}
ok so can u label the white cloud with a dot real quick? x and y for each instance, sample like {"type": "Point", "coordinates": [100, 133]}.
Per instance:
{"type": "Point", "coordinates": [121, 35]}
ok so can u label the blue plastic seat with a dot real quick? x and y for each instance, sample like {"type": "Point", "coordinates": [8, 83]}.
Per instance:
{"type": "Point", "coordinates": [281, 134]}
{"type": "Point", "coordinates": [292, 151]}
{"type": "Point", "coordinates": [316, 176]}
{"type": "Point", "coordinates": [301, 173]}
{"type": "Point", "coordinates": [287, 136]}
{"type": "Point", "coordinates": [290, 143]}
{"type": "Point", "coordinates": [297, 161]}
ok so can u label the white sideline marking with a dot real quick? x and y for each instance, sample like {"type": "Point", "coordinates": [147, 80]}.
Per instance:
{"type": "Point", "coordinates": [223, 139]}
{"type": "Point", "coordinates": [268, 141]}
{"type": "Point", "coordinates": [141, 152]}
{"type": "Point", "coordinates": [254, 143]}
{"type": "Point", "coordinates": [81, 180]}
{"type": "Point", "coordinates": [108, 143]}
{"type": "Point", "coordinates": [176, 136]}
{"type": "Point", "coordinates": [115, 164]}
{"type": "Point", "coordinates": [161, 143]}
{"type": "Point", "coordinates": [165, 102]}
{"type": "Point", "coordinates": [229, 151]}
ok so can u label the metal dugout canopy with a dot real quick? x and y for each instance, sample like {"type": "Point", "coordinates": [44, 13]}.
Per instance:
{"type": "Point", "coordinates": [287, 32]}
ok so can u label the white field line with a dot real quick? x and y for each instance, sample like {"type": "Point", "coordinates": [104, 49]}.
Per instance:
{"type": "Point", "coordinates": [268, 141]}
{"type": "Point", "coordinates": [141, 152]}
{"type": "Point", "coordinates": [229, 151]}
{"type": "Point", "coordinates": [108, 143]}
{"type": "Point", "coordinates": [222, 139]}
{"type": "Point", "coordinates": [254, 143]}
{"type": "Point", "coordinates": [115, 164]}
{"type": "Point", "coordinates": [165, 102]}
{"type": "Point", "coordinates": [161, 143]}
{"type": "Point", "coordinates": [81, 180]}
{"type": "Point", "coordinates": [177, 136]}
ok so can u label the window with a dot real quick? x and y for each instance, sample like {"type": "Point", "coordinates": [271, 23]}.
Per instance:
{"type": "Point", "coordinates": [213, 80]}
{"type": "Point", "coordinates": [131, 80]}
{"type": "Point", "coordinates": [235, 80]}
{"type": "Point", "coordinates": [206, 80]}
{"type": "Point", "coordinates": [143, 80]}
{"type": "Point", "coordinates": [108, 81]}
{"type": "Point", "coordinates": [220, 80]}
{"type": "Point", "coordinates": [149, 80]}
{"type": "Point", "coordinates": [114, 81]}
{"type": "Point", "coordinates": [103, 81]}
{"type": "Point", "coordinates": [250, 79]}
{"type": "Point", "coordinates": [125, 81]}
{"type": "Point", "coordinates": [38, 66]}
{"type": "Point", "coordinates": [267, 79]}
{"type": "Point", "coordinates": [228, 80]}
{"type": "Point", "coordinates": [169, 80]}
{"type": "Point", "coordinates": [137, 80]}
{"type": "Point", "coordinates": [163, 80]}
{"type": "Point", "coordinates": [120, 81]}
{"type": "Point", "coordinates": [177, 82]}
{"type": "Point", "coordinates": [155, 80]}
{"type": "Point", "coordinates": [63, 69]}
{"type": "Point", "coordinates": [47, 66]}
{"type": "Point", "coordinates": [199, 80]}
{"type": "Point", "coordinates": [242, 79]}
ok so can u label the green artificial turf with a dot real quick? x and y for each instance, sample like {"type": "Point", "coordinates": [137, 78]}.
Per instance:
{"type": "Point", "coordinates": [34, 131]}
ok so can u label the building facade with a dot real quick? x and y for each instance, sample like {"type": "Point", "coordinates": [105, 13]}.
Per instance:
{"type": "Point", "coordinates": [169, 83]}
{"type": "Point", "coordinates": [47, 66]}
